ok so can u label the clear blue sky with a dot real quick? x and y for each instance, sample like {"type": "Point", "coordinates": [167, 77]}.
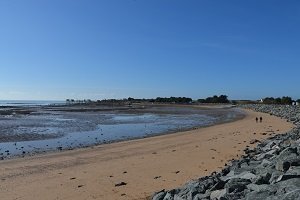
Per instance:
{"type": "Point", "coordinates": [58, 49]}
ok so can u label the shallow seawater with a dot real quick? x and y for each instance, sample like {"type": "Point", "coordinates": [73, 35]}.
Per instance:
{"type": "Point", "coordinates": [60, 131]}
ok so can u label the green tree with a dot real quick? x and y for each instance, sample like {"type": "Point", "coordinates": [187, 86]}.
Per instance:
{"type": "Point", "coordinates": [278, 100]}
{"type": "Point", "coordinates": [286, 100]}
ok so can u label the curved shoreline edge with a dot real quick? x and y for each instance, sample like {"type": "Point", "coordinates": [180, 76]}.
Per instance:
{"type": "Point", "coordinates": [238, 115]}
{"type": "Point", "coordinates": [269, 171]}
{"type": "Point", "coordinates": [145, 165]}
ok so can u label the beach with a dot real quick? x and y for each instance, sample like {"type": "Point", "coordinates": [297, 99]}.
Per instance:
{"type": "Point", "coordinates": [137, 168]}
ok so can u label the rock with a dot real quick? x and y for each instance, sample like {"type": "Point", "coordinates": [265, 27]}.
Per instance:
{"type": "Point", "coordinates": [218, 194]}
{"type": "Point", "coordinates": [292, 195]}
{"type": "Point", "coordinates": [264, 195]}
{"type": "Point", "coordinates": [248, 176]}
{"type": "Point", "coordinates": [266, 155]}
{"type": "Point", "coordinates": [286, 177]}
{"type": "Point", "coordinates": [293, 171]}
{"type": "Point", "coordinates": [275, 176]}
{"type": "Point", "coordinates": [218, 186]}
{"type": "Point", "coordinates": [168, 197]}
{"type": "Point", "coordinates": [159, 195]}
{"type": "Point", "coordinates": [202, 196]}
{"type": "Point", "coordinates": [237, 185]}
{"type": "Point", "coordinates": [265, 163]}
{"type": "Point", "coordinates": [263, 179]}
{"type": "Point", "coordinates": [244, 175]}
{"type": "Point", "coordinates": [284, 165]}
{"type": "Point", "coordinates": [257, 188]}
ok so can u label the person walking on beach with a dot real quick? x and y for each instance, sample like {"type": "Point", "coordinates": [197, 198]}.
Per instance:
{"type": "Point", "coordinates": [256, 119]}
{"type": "Point", "coordinates": [260, 119]}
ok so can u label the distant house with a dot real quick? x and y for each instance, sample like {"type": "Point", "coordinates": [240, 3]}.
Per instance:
{"type": "Point", "coordinates": [295, 103]}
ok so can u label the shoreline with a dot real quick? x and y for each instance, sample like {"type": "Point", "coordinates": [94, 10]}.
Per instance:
{"type": "Point", "coordinates": [31, 147]}
{"type": "Point", "coordinates": [145, 165]}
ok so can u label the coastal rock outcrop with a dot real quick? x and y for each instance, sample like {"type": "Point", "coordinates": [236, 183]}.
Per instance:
{"type": "Point", "coordinates": [269, 171]}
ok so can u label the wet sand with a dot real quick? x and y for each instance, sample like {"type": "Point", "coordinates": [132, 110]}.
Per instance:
{"type": "Point", "coordinates": [133, 169]}
{"type": "Point", "coordinates": [49, 130]}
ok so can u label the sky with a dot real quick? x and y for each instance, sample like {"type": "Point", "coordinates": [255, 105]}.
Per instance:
{"type": "Point", "coordinates": [100, 49]}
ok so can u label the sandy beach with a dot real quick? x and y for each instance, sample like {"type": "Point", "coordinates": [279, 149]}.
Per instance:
{"type": "Point", "coordinates": [140, 167]}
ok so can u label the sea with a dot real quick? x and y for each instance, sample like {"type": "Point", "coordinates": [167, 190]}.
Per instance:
{"type": "Point", "coordinates": [26, 103]}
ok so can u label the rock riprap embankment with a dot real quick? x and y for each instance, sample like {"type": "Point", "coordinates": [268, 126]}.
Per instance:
{"type": "Point", "coordinates": [269, 171]}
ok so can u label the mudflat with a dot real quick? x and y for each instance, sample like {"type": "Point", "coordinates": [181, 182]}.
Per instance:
{"type": "Point", "coordinates": [134, 169]}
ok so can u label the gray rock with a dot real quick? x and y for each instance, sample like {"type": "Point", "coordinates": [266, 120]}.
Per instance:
{"type": "Point", "coordinates": [265, 163]}
{"type": "Point", "coordinates": [248, 176]}
{"type": "Point", "coordinates": [263, 178]}
{"type": "Point", "coordinates": [257, 188]}
{"type": "Point", "coordinates": [275, 176]}
{"type": "Point", "coordinates": [293, 171]}
{"type": "Point", "coordinates": [202, 196]}
{"type": "Point", "coordinates": [263, 195]}
{"type": "Point", "coordinates": [286, 177]}
{"type": "Point", "coordinates": [218, 194]}
{"type": "Point", "coordinates": [284, 165]}
{"type": "Point", "coordinates": [266, 155]}
{"type": "Point", "coordinates": [237, 185]}
{"type": "Point", "coordinates": [159, 195]}
{"type": "Point", "coordinates": [293, 195]}
{"type": "Point", "coordinates": [168, 196]}
{"type": "Point", "coordinates": [244, 175]}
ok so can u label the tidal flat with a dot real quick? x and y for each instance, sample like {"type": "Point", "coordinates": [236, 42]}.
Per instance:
{"type": "Point", "coordinates": [31, 130]}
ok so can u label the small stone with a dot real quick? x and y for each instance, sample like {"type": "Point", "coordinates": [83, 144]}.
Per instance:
{"type": "Point", "coordinates": [120, 184]}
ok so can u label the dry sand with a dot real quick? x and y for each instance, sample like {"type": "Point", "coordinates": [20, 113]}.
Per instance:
{"type": "Point", "coordinates": [146, 165]}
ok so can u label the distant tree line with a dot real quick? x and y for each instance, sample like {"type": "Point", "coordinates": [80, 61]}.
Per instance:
{"type": "Point", "coordinates": [183, 100]}
{"type": "Point", "coordinates": [173, 100]}
{"type": "Point", "coordinates": [215, 99]}
{"type": "Point", "coordinates": [176, 100]}
{"type": "Point", "coordinates": [179, 100]}
{"type": "Point", "coordinates": [73, 101]}
{"type": "Point", "coordinates": [284, 100]}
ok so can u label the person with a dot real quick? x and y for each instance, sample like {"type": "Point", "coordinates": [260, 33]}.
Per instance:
{"type": "Point", "coordinates": [260, 119]}
{"type": "Point", "coordinates": [256, 119]}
